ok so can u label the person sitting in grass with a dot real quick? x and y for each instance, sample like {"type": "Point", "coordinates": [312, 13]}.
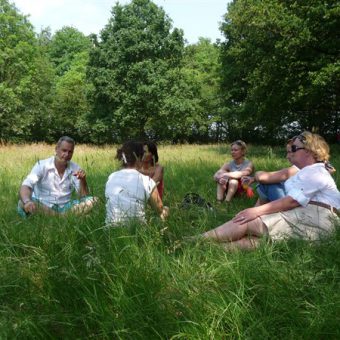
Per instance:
{"type": "Point", "coordinates": [308, 211]}
{"type": "Point", "coordinates": [228, 178]}
{"type": "Point", "coordinates": [128, 191]}
{"type": "Point", "coordinates": [270, 185]}
{"type": "Point", "coordinates": [49, 186]}
{"type": "Point", "coordinates": [151, 167]}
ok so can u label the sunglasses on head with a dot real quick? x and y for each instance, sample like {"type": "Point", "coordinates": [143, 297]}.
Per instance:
{"type": "Point", "coordinates": [301, 138]}
{"type": "Point", "coordinates": [239, 143]}
{"type": "Point", "coordinates": [295, 148]}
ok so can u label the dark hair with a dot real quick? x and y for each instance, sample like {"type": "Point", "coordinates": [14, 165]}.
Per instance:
{"type": "Point", "coordinates": [130, 153]}
{"type": "Point", "coordinates": [152, 147]}
{"type": "Point", "coordinates": [66, 139]}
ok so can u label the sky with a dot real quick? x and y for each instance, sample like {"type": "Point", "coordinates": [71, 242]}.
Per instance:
{"type": "Point", "coordinates": [197, 18]}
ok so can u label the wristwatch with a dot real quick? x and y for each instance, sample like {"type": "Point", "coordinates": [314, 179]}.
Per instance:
{"type": "Point", "coordinates": [26, 200]}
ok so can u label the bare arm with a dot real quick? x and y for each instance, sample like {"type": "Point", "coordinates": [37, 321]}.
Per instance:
{"type": "Point", "coordinates": [282, 204]}
{"type": "Point", "coordinates": [245, 172]}
{"type": "Point", "coordinates": [275, 176]}
{"type": "Point", "coordinates": [159, 173]}
{"type": "Point", "coordinates": [81, 175]}
{"type": "Point", "coordinates": [25, 194]}
{"type": "Point", "coordinates": [221, 172]}
{"type": "Point", "coordinates": [157, 204]}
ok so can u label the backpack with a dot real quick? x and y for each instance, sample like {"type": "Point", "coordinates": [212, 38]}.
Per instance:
{"type": "Point", "coordinates": [192, 199]}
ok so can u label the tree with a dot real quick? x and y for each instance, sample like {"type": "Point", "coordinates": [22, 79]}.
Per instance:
{"type": "Point", "coordinates": [69, 52]}
{"type": "Point", "coordinates": [25, 78]}
{"type": "Point", "coordinates": [70, 104]}
{"type": "Point", "coordinates": [280, 65]}
{"type": "Point", "coordinates": [201, 62]}
{"type": "Point", "coordinates": [64, 47]}
{"type": "Point", "coordinates": [139, 87]}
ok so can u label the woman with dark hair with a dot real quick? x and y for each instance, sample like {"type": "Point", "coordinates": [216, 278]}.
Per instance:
{"type": "Point", "coordinates": [308, 211]}
{"type": "Point", "coordinates": [128, 191]}
{"type": "Point", "coordinates": [151, 167]}
{"type": "Point", "coordinates": [228, 178]}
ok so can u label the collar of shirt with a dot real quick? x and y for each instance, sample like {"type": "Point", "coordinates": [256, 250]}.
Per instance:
{"type": "Point", "coordinates": [51, 166]}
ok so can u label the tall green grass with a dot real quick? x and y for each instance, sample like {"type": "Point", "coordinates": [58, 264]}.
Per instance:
{"type": "Point", "coordinates": [69, 277]}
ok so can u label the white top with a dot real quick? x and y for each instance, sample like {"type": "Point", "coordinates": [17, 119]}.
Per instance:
{"type": "Point", "coordinates": [47, 185]}
{"type": "Point", "coordinates": [313, 183]}
{"type": "Point", "coordinates": [127, 192]}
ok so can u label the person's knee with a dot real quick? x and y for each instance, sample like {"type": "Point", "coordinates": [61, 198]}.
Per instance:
{"type": "Point", "coordinates": [233, 185]}
{"type": "Point", "coordinates": [85, 204]}
{"type": "Point", "coordinates": [257, 228]}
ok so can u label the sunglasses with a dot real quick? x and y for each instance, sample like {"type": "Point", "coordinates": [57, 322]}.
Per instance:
{"type": "Point", "coordinates": [295, 148]}
{"type": "Point", "coordinates": [301, 138]}
{"type": "Point", "coordinates": [239, 143]}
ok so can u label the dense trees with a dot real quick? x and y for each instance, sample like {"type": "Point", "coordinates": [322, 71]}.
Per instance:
{"type": "Point", "coordinates": [277, 70]}
{"type": "Point", "coordinates": [281, 65]}
{"type": "Point", "coordinates": [69, 52]}
{"type": "Point", "coordinates": [139, 88]}
{"type": "Point", "coordinates": [25, 78]}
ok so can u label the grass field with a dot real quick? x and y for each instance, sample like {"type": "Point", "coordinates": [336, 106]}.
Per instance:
{"type": "Point", "coordinates": [71, 278]}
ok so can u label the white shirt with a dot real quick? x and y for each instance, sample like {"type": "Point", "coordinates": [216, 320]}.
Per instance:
{"type": "Point", "coordinates": [127, 192]}
{"type": "Point", "coordinates": [48, 187]}
{"type": "Point", "coordinates": [313, 183]}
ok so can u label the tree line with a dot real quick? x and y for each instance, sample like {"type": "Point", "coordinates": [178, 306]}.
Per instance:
{"type": "Point", "coordinates": [275, 73]}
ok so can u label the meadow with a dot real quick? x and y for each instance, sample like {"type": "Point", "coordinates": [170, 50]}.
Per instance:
{"type": "Point", "coordinates": [70, 277]}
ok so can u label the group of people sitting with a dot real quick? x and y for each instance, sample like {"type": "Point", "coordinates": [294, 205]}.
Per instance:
{"type": "Point", "coordinates": [49, 186]}
{"type": "Point", "coordinates": [300, 201]}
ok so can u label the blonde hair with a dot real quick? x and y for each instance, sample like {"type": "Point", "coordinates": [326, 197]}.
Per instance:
{"type": "Point", "coordinates": [241, 144]}
{"type": "Point", "coordinates": [315, 144]}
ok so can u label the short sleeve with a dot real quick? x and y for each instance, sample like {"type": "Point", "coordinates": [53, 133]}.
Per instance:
{"type": "Point", "coordinates": [33, 176]}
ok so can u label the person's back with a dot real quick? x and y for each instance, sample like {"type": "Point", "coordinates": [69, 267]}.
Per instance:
{"type": "Point", "coordinates": [128, 191]}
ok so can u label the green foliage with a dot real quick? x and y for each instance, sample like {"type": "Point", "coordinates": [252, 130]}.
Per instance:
{"type": "Point", "coordinates": [274, 58]}
{"type": "Point", "coordinates": [25, 78]}
{"type": "Point", "coordinates": [202, 65]}
{"type": "Point", "coordinates": [276, 74]}
{"type": "Point", "coordinates": [139, 88]}
{"type": "Point", "coordinates": [70, 102]}
{"type": "Point", "coordinates": [65, 46]}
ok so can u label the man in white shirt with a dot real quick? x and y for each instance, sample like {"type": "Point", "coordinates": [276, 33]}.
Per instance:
{"type": "Point", "coordinates": [49, 186]}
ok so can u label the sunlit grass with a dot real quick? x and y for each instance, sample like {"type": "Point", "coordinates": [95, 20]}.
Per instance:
{"type": "Point", "coordinates": [69, 277]}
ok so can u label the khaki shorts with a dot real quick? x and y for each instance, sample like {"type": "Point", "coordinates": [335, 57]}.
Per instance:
{"type": "Point", "coordinates": [308, 223]}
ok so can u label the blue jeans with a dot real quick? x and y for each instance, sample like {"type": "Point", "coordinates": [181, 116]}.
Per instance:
{"type": "Point", "coordinates": [271, 192]}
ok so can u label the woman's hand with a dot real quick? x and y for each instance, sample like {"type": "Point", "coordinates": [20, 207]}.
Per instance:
{"type": "Point", "coordinates": [165, 213]}
{"type": "Point", "coordinates": [221, 177]}
{"type": "Point", "coordinates": [246, 215]}
{"type": "Point", "coordinates": [223, 180]}
{"type": "Point", "coordinates": [220, 174]}
{"type": "Point", "coordinates": [247, 180]}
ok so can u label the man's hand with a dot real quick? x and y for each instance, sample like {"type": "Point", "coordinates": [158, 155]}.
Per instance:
{"type": "Point", "coordinates": [29, 207]}
{"type": "Point", "coordinates": [80, 174]}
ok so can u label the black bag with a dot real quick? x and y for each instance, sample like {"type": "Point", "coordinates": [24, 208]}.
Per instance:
{"type": "Point", "coordinates": [192, 199]}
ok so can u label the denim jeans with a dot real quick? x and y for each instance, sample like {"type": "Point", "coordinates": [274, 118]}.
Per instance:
{"type": "Point", "coordinates": [271, 192]}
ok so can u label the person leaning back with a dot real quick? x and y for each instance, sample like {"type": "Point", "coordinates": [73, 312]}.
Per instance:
{"type": "Point", "coordinates": [49, 185]}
